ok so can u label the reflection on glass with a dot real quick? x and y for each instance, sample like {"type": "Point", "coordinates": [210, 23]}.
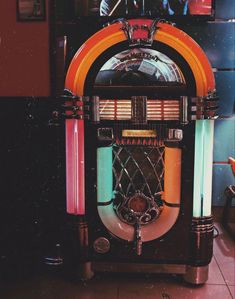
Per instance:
{"type": "Point", "coordinates": [143, 7]}
{"type": "Point", "coordinates": [155, 7]}
{"type": "Point", "coordinates": [139, 66]}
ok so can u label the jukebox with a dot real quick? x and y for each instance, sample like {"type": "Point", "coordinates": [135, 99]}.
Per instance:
{"type": "Point", "coordinates": [139, 104]}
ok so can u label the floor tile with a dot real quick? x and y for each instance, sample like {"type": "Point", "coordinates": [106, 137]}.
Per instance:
{"type": "Point", "coordinates": [133, 286]}
{"type": "Point", "coordinates": [228, 272]}
{"type": "Point", "coordinates": [232, 291]}
{"type": "Point", "coordinates": [164, 290]}
{"type": "Point", "coordinates": [224, 253]}
{"type": "Point", "coordinates": [215, 275]}
{"type": "Point", "coordinates": [58, 288]}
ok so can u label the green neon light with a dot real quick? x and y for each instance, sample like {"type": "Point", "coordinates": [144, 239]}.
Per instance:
{"type": "Point", "coordinates": [204, 133]}
{"type": "Point", "coordinates": [104, 174]}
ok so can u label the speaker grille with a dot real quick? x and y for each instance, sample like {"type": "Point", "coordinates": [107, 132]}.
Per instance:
{"type": "Point", "coordinates": [138, 168]}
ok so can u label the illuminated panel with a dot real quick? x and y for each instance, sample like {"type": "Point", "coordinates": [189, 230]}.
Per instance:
{"type": "Point", "coordinates": [203, 168]}
{"type": "Point", "coordinates": [156, 109]}
{"type": "Point", "coordinates": [115, 110]}
{"type": "Point", "coordinates": [139, 133]}
{"type": "Point", "coordinates": [163, 110]}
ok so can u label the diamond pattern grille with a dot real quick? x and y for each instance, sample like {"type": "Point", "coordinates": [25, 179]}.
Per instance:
{"type": "Point", "coordinates": [138, 168]}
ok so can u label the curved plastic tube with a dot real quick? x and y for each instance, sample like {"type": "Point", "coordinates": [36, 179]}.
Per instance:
{"type": "Point", "coordinates": [104, 174]}
{"type": "Point", "coordinates": [172, 175]}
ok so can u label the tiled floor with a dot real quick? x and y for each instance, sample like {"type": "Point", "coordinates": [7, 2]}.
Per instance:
{"type": "Point", "coordinates": [221, 283]}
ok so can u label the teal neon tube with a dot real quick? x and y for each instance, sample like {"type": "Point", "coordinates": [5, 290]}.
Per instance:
{"type": "Point", "coordinates": [204, 135]}
{"type": "Point", "coordinates": [104, 174]}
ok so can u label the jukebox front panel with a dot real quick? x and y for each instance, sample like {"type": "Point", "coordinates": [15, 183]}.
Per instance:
{"type": "Point", "coordinates": [134, 91]}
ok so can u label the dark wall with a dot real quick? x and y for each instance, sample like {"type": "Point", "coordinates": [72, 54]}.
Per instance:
{"type": "Point", "coordinates": [32, 185]}
{"type": "Point", "coordinates": [217, 39]}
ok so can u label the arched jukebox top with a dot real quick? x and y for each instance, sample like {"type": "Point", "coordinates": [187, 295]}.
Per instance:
{"type": "Point", "coordinates": [159, 36]}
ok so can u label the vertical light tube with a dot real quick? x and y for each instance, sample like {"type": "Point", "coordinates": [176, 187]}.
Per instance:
{"type": "Point", "coordinates": [75, 172]}
{"type": "Point", "coordinates": [198, 162]}
{"type": "Point", "coordinates": [204, 132]}
{"type": "Point", "coordinates": [104, 174]}
{"type": "Point", "coordinates": [208, 166]}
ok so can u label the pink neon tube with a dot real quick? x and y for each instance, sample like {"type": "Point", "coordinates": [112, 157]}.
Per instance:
{"type": "Point", "coordinates": [75, 183]}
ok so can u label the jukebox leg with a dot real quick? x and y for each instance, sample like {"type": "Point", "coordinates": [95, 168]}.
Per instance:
{"type": "Point", "coordinates": [196, 275]}
{"type": "Point", "coordinates": [201, 250]}
{"type": "Point", "coordinates": [85, 271]}
{"type": "Point", "coordinates": [80, 263]}
{"type": "Point", "coordinates": [84, 265]}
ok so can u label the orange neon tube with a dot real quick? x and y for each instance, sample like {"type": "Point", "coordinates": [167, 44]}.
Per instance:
{"type": "Point", "coordinates": [113, 34]}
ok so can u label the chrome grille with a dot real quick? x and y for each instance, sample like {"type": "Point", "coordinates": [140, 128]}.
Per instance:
{"type": "Point", "coordinates": [138, 168]}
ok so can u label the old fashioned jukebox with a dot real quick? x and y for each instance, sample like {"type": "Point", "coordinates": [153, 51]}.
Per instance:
{"type": "Point", "coordinates": [140, 102]}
